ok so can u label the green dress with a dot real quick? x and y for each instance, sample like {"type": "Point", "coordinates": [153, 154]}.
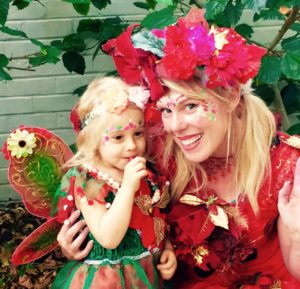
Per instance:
{"type": "Point", "coordinates": [131, 265]}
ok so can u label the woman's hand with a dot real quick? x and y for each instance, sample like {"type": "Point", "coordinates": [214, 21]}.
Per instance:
{"type": "Point", "coordinates": [168, 262]}
{"type": "Point", "coordinates": [72, 235]}
{"type": "Point", "coordinates": [289, 204]}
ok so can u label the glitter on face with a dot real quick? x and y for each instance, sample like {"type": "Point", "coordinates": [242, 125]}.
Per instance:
{"type": "Point", "coordinates": [119, 128]}
{"type": "Point", "coordinates": [207, 109]}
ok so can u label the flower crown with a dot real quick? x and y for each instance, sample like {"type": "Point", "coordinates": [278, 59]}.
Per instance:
{"type": "Point", "coordinates": [218, 57]}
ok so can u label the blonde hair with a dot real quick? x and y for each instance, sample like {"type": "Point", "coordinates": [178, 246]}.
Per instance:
{"type": "Point", "coordinates": [107, 94]}
{"type": "Point", "coordinates": [252, 143]}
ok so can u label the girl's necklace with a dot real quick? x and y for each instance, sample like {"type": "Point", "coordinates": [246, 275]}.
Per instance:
{"type": "Point", "coordinates": [98, 174]}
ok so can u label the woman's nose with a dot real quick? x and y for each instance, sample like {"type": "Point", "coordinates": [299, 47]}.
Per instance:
{"type": "Point", "coordinates": [178, 122]}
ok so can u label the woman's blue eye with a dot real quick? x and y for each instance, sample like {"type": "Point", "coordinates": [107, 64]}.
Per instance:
{"type": "Point", "coordinates": [165, 111]}
{"type": "Point", "coordinates": [191, 106]}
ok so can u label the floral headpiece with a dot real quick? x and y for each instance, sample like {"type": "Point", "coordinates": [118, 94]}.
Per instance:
{"type": "Point", "coordinates": [114, 104]}
{"type": "Point", "coordinates": [219, 57]}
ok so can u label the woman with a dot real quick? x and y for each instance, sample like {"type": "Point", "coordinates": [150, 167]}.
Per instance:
{"type": "Point", "coordinates": [235, 182]}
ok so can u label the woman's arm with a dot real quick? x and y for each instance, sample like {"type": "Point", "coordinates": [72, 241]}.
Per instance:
{"type": "Point", "coordinates": [289, 223]}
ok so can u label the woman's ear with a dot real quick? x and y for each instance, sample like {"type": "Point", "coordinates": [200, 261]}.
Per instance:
{"type": "Point", "coordinates": [234, 97]}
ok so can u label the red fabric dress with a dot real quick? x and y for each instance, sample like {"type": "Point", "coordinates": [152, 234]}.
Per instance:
{"type": "Point", "coordinates": [210, 256]}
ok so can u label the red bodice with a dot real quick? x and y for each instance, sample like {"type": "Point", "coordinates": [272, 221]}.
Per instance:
{"type": "Point", "coordinates": [214, 257]}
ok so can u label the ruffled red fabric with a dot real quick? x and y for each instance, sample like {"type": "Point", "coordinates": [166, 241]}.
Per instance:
{"type": "Point", "coordinates": [237, 257]}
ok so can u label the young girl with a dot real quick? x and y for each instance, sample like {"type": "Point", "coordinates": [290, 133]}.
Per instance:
{"type": "Point", "coordinates": [119, 198]}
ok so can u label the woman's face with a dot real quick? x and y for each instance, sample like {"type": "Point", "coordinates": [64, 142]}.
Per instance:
{"type": "Point", "coordinates": [199, 126]}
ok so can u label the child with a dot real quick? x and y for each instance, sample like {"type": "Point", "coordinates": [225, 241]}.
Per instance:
{"type": "Point", "coordinates": [117, 195]}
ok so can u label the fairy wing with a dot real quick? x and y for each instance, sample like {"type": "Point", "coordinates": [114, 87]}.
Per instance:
{"type": "Point", "coordinates": [35, 171]}
{"type": "Point", "coordinates": [39, 243]}
{"type": "Point", "coordinates": [36, 157]}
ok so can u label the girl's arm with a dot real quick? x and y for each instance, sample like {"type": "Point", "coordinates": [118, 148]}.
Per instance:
{"type": "Point", "coordinates": [109, 226]}
{"type": "Point", "coordinates": [289, 224]}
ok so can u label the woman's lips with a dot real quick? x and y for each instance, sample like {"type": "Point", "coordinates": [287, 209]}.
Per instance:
{"type": "Point", "coordinates": [190, 142]}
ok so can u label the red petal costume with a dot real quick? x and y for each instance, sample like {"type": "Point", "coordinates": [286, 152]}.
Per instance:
{"type": "Point", "coordinates": [211, 256]}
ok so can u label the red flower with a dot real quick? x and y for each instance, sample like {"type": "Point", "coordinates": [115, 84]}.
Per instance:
{"type": "Point", "coordinates": [235, 63]}
{"type": "Point", "coordinates": [195, 17]}
{"type": "Point", "coordinates": [180, 60]}
{"type": "Point", "coordinates": [75, 119]}
{"type": "Point", "coordinates": [135, 66]}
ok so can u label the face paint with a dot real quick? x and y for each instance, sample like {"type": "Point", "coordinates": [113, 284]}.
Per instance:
{"type": "Point", "coordinates": [171, 101]}
{"type": "Point", "coordinates": [119, 128]}
{"type": "Point", "coordinates": [207, 109]}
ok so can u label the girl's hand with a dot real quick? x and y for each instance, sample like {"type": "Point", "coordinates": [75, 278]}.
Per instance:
{"type": "Point", "coordinates": [133, 172]}
{"type": "Point", "coordinates": [168, 264]}
{"type": "Point", "coordinates": [289, 203]}
{"type": "Point", "coordinates": [71, 237]}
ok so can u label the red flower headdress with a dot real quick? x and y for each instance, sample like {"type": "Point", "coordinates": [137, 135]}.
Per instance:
{"type": "Point", "coordinates": [219, 57]}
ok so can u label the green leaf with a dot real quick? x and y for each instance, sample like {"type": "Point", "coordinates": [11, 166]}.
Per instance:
{"type": "Point", "coordinates": [12, 32]}
{"type": "Point", "coordinates": [74, 62]}
{"type": "Point", "coordinates": [159, 19]}
{"type": "Point", "coordinates": [245, 30]}
{"type": "Point", "coordinates": [149, 42]}
{"type": "Point", "coordinates": [48, 54]}
{"type": "Point", "coordinates": [101, 4]}
{"type": "Point", "coordinates": [214, 7]}
{"type": "Point", "coordinates": [82, 9]}
{"type": "Point", "coordinates": [290, 65]}
{"type": "Point", "coordinates": [295, 129]}
{"type": "Point", "coordinates": [291, 98]}
{"type": "Point", "coordinates": [265, 92]}
{"type": "Point", "coordinates": [151, 4]}
{"type": "Point", "coordinates": [21, 4]}
{"type": "Point", "coordinates": [231, 14]}
{"type": "Point", "coordinates": [79, 91]}
{"type": "Point", "coordinates": [78, 1]}
{"type": "Point", "coordinates": [166, 2]}
{"type": "Point", "coordinates": [292, 44]}
{"type": "Point", "coordinates": [295, 27]}
{"type": "Point", "coordinates": [4, 75]}
{"type": "Point", "coordinates": [3, 60]}
{"type": "Point", "coordinates": [268, 15]}
{"type": "Point", "coordinates": [270, 71]}
{"type": "Point", "coordinates": [112, 73]}
{"type": "Point", "coordinates": [141, 5]}
{"type": "Point", "coordinates": [38, 43]}
{"type": "Point", "coordinates": [255, 5]}
{"type": "Point", "coordinates": [71, 42]}
{"type": "Point", "coordinates": [4, 6]}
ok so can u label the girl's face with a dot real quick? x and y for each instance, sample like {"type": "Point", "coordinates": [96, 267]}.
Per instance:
{"type": "Point", "coordinates": [122, 139]}
{"type": "Point", "coordinates": [198, 126]}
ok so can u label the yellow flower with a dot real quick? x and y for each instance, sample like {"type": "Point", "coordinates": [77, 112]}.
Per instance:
{"type": "Point", "coordinates": [20, 143]}
{"type": "Point", "coordinates": [199, 253]}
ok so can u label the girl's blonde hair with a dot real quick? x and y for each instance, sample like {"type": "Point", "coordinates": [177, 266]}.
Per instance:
{"type": "Point", "coordinates": [104, 95]}
{"type": "Point", "coordinates": [251, 142]}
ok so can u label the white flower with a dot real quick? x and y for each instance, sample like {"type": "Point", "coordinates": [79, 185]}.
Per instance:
{"type": "Point", "coordinates": [139, 96]}
{"type": "Point", "coordinates": [21, 143]}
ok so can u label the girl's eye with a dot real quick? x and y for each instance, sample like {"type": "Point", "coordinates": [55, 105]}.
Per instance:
{"type": "Point", "coordinates": [139, 133]}
{"type": "Point", "coordinates": [191, 106]}
{"type": "Point", "coordinates": [118, 137]}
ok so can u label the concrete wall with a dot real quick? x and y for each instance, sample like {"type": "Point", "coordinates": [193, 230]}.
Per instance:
{"type": "Point", "coordinates": [44, 97]}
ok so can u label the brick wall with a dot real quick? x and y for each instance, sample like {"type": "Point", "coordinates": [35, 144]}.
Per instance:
{"type": "Point", "coordinates": [44, 97]}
